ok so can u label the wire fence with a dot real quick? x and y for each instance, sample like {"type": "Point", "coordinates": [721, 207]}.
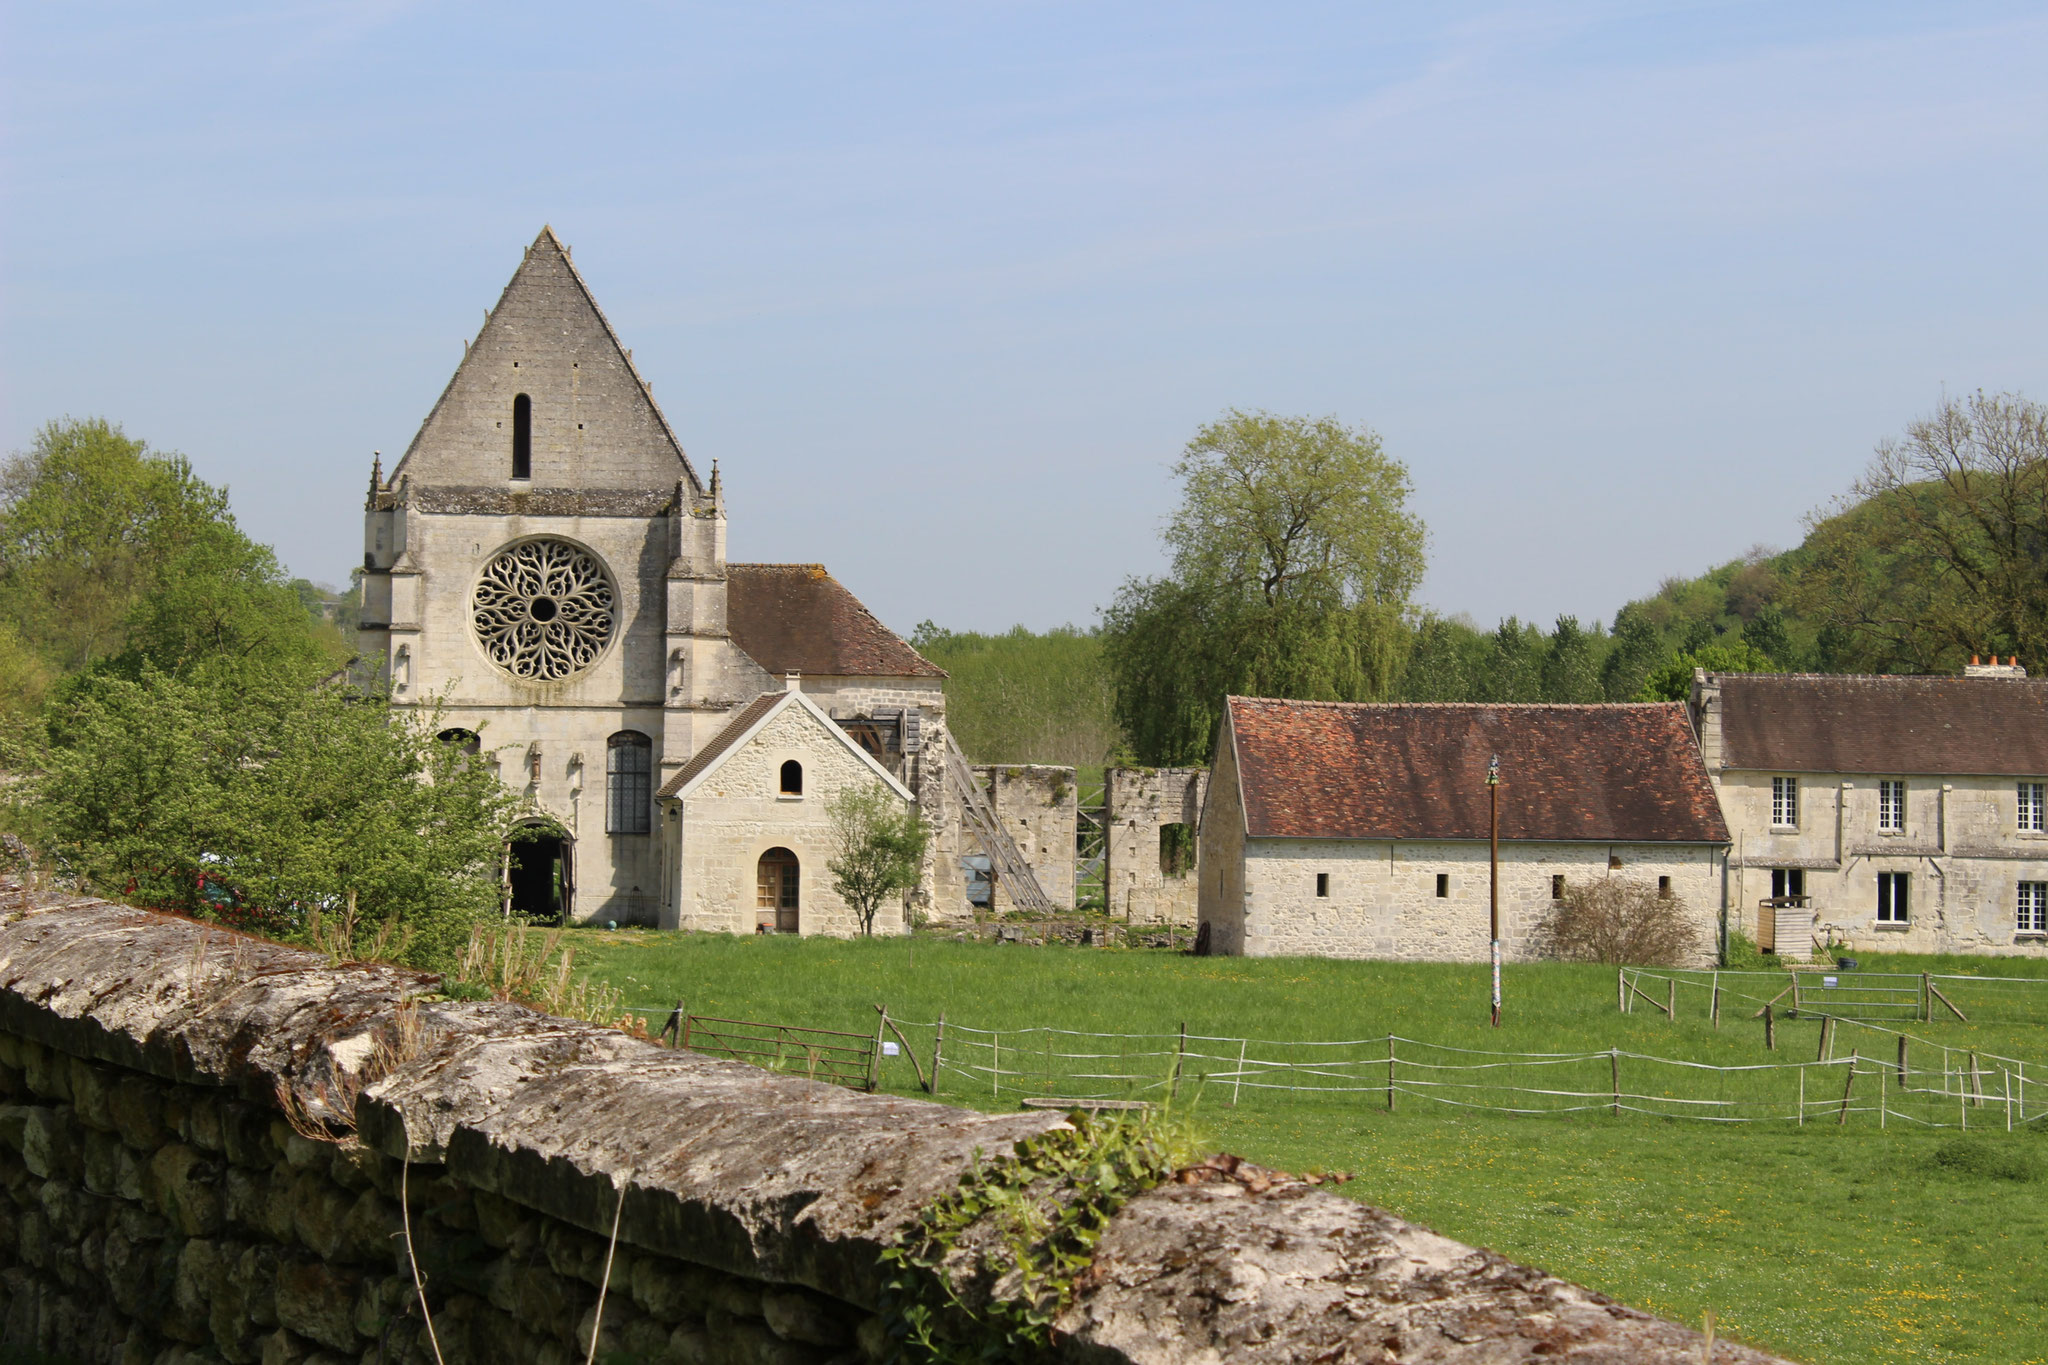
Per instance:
{"type": "Point", "coordinates": [1390, 1071]}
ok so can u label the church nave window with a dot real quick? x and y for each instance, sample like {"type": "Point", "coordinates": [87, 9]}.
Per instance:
{"type": "Point", "coordinates": [629, 791]}
{"type": "Point", "coordinates": [522, 437]}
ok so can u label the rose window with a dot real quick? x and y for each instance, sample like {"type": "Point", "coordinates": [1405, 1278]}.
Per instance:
{"type": "Point", "coordinates": [543, 609]}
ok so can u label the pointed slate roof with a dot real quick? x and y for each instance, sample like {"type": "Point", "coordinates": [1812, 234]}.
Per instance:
{"type": "Point", "coordinates": [1615, 773]}
{"type": "Point", "coordinates": [595, 422]}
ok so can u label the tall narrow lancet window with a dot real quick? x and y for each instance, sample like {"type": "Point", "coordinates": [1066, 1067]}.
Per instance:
{"type": "Point", "coordinates": [522, 437]}
{"type": "Point", "coordinates": [629, 790]}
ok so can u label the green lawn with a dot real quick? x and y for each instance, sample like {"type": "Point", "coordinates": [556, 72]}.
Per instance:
{"type": "Point", "coordinates": [1825, 1243]}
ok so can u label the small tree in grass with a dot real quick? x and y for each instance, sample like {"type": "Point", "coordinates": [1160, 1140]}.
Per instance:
{"type": "Point", "coordinates": [1619, 921]}
{"type": "Point", "coordinates": [879, 847]}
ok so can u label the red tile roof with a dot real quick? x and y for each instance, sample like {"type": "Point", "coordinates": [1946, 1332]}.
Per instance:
{"type": "Point", "coordinates": [1628, 773]}
{"type": "Point", "coordinates": [796, 618]}
{"type": "Point", "coordinates": [1840, 723]}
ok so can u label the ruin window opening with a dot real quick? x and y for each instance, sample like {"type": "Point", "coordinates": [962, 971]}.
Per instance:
{"type": "Point", "coordinates": [522, 437]}
{"type": "Point", "coordinates": [1323, 884]}
{"type": "Point", "coordinates": [1443, 885]}
{"type": "Point", "coordinates": [1557, 886]}
{"type": "Point", "coordinates": [792, 778]}
{"type": "Point", "coordinates": [1664, 888]}
{"type": "Point", "coordinates": [1176, 850]}
{"type": "Point", "coordinates": [629, 783]}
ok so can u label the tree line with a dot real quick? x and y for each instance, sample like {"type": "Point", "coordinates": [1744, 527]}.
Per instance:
{"type": "Point", "coordinates": [1294, 559]}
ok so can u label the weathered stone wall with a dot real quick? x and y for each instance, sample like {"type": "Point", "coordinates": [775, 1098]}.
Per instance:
{"type": "Point", "coordinates": [1382, 897]}
{"type": "Point", "coordinates": [159, 1209]}
{"type": "Point", "coordinates": [1039, 805]}
{"type": "Point", "coordinates": [1137, 804]}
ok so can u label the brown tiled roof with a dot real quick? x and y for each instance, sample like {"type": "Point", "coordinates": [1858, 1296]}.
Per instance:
{"type": "Point", "coordinates": [1333, 770]}
{"type": "Point", "coordinates": [1837, 723]}
{"type": "Point", "coordinates": [722, 741]}
{"type": "Point", "coordinates": [796, 618]}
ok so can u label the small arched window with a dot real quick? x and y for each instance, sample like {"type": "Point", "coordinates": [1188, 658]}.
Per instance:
{"type": "Point", "coordinates": [792, 778]}
{"type": "Point", "coordinates": [466, 740]}
{"type": "Point", "coordinates": [629, 783]}
{"type": "Point", "coordinates": [522, 437]}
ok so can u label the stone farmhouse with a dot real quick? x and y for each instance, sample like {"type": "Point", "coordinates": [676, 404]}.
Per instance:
{"type": "Point", "coordinates": [1883, 813]}
{"type": "Point", "coordinates": [1361, 830]}
{"type": "Point", "coordinates": [545, 569]}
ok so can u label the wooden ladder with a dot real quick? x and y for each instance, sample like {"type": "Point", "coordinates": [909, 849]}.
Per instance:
{"type": "Point", "coordinates": [1013, 874]}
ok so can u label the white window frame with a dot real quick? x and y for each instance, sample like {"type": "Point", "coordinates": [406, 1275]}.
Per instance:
{"type": "Point", "coordinates": [1894, 898]}
{"type": "Point", "coordinates": [1784, 803]}
{"type": "Point", "coordinates": [1891, 806]}
{"type": "Point", "coordinates": [2030, 808]}
{"type": "Point", "coordinates": [2030, 911]}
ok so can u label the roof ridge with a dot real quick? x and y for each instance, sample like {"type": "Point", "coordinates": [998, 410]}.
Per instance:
{"type": "Point", "coordinates": [1876, 677]}
{"type": "Point", "coordinates": [1458, 705]}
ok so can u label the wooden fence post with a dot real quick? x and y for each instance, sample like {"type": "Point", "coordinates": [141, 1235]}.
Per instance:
{"type": "Point", "coordinates": [1926, 997]}
{"type": "Point", "coordinates": [1976, 1082]}
{"type": "Point", "coordinates": [875, 1057]}
{"type": "Point", "coordinates": [1390, 1073]}
{"type": "Point", "coordinates": [1671, 998]}
{"type": "Point", "coordinates": [1827, 1039]}
{"type": "Point", "coordinates": [995, 1072]}
{"type": "Point", "coordinates": [1180, 1051]}
{"type": "Point", "coordinates": [1621, 990]}
{"type": "Point", "coordinates": [938, 1050]}
{"type": "Point", "coordinates": [1715, 1008]}
{"type": "Point", "coordinates": [1880, 1097]}
{"type": "Point", "coordinates": [2005, 1082]}
{"type": "Point", "coordinates": [1614, 1075]}
{"type": "Point", "coordinates": [1802, 1097]}
{"type": "Point", "coordinates": [1238, 1079]}
{"type": "Point", "coordinates": [1770, 1030]}
{"type": "Point", "coordinates": [1905, 1082]}
{"type": "Point", "coordinates": [1795, 993]}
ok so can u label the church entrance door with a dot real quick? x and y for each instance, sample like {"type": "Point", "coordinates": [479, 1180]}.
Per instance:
{"type": "Point", "coordinates": [775, 898]}
{"type": "Point", "coordinates": [540, 876]}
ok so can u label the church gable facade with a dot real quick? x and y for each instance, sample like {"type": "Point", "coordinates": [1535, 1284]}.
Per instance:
{"type": "Point", "coordinates": [547, 568]}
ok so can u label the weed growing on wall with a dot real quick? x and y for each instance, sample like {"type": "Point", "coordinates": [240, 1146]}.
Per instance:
{"type": "Point", "coordinates": [985, 1272]}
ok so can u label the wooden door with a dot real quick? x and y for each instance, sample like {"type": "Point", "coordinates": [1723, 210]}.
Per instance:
{"type": "Point", "coordinates": [776, 887]}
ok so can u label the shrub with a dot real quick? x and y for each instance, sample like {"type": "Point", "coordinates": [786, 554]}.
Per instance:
{"type": "Point", "coordinates": [1620, 921]}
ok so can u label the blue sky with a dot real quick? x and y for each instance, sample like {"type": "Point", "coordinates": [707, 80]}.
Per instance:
{"type": "Point", "coordinates": [944, 288]}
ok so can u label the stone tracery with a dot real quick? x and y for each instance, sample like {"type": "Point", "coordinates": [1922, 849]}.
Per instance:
{"type": "Point", "coordinates": [543, 609]}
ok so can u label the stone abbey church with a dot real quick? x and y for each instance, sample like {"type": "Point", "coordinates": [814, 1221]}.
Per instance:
{"type": "Point", "coordinates": [546, 567]}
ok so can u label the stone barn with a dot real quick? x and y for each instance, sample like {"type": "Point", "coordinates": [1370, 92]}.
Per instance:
{"type": "Point", "coordinates": [1360, 830]}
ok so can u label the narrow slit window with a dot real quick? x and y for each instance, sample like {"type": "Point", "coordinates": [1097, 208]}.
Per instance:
{"type": "Point", "coordinates": [1664, 888]}
{"type": "Point", "coordinates": [1557, 886]}
{"type": "Point", "coordinates": [1322, 884]}
{"type": "Point", "coordinates": [522, 437]}
{"type": "Point", "coordinates": [1443, 885]}
{"type": "Point", "coordinates": [629, 783]}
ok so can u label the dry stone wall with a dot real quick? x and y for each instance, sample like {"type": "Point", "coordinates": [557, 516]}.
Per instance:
{"type": "Point", "coordinates": [218, 1149]}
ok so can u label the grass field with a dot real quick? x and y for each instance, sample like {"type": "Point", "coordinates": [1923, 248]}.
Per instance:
{"type": "Point", "coordinates": [1829, 1244]}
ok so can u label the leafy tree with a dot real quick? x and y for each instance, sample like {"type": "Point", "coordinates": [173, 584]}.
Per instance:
{"type": "Point", "coordinates": [1294, 557]}
{"type": "Point", "coordinates": [1571, 667]}
{"type": "Point", "coordinates": [1765, 633]}
{"type": "Point", "coordinates": [269, 801]}
{"type": "Point", "coordinates": [1944, 552]}
{"type": "Point", "coordinates": [1515, 671]}
{"type": "Point", "coordinates": [1672, 679]}
{"type": "Point", "coordinates": [1023, 696]}
{"type": "Point", "coordinates": [879, 845]}
{"type": "Point", "coordinates": [1440, 660]}
{"type": "Point", "coordinates": [1637, 647]}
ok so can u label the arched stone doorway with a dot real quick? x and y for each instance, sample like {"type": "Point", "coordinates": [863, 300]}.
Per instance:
{"type": "Point", "coordinates": [776, 889]}
{"type": "Point", "coordinates": [540, 872]}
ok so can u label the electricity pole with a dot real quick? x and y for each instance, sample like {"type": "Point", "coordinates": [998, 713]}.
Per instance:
{"type": "Point", "coordinates": [1493, 869]}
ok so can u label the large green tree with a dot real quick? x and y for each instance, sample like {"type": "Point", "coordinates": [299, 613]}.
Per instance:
{"type": "Point", "coordinates": [266, 800]}
{"type": "Point", "coordinates": [1942, 549]}
{"type": "Point", "coordinates": [1294, 557]}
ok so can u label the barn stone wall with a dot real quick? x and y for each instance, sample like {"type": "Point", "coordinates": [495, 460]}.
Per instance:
{"type": "Point", "coordinates": [1039, 805]}
{"type": "Point", "coordinates": [218, 1149]}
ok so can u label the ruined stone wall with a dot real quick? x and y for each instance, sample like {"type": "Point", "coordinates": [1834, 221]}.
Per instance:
{"type": "Point", "coordinates": [1137, 804]}
{"type": "Point", "coordinates": [1039, 805]}
{"type": "Point", "coordinates": [218, 1149]}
